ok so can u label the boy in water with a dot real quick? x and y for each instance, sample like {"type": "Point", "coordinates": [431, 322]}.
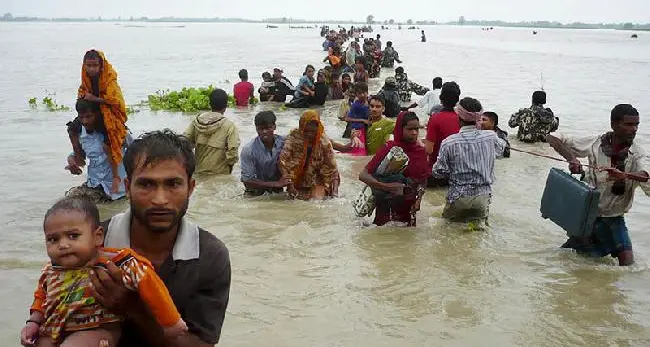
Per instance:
{"type": "Point", "coordinates": [358, 117]}
{"type": "Point", "coordinates": [243, 91]}
{"type": "Point", "coordinates": [490, 121]}
{"type": "Point", "coordinates": [64, 313]}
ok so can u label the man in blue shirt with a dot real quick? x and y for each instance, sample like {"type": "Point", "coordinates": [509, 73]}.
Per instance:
{"type": "Point", "coordinates": [99, 184]}
{"type": "Point", "coordinates": [259, 158]}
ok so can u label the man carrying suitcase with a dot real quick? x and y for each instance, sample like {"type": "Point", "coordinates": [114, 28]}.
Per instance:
{"type": "Point", "coordinates": [622, 171]}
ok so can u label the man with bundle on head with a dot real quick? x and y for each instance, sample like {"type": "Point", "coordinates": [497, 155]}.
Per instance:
{"type": "Point", "coordinates": [467, 160]}
{"type": "Point", "coordinates": [536, 121]}
{"type": "Point", "coordinates": [99, 85]}
{"type": "Point", "coordinates": [621, 160]}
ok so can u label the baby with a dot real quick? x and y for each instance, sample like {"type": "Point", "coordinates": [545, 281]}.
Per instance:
{"type": "Point", "coordinates": [64, 312]}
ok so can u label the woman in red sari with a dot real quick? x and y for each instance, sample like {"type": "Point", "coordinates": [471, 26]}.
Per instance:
{"type": "Point", "coordinates": [399, 200]}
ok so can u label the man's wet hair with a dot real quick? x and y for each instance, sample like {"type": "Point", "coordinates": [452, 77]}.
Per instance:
{"type": "Point", "coordinates": [359, 60]}
{"type": "Point", "coordinates": [437, 83]}
{"type": "Point", "coordinates": [389, 43]}
{"type": "Point", "coordinates": [93, 54]}
{"type": "Point", "coordinates": [156, 146]}
{"type": "Point", "coordinates": [493, 117]}
{"type": "Point", "coordinates": [539, 97]}
{"type": "Point", "coordinates": [449, 94]}
{"type": "Point", "coordinates": [243, 74]}
{"type": "Point", "coordinates": [622, 110]}
{"type": "Point", "coordinates": [399, 70]}
{"type": "Point", "coordinates": [361, 87]}
{"type": "Point", "coordinates": [218, 100]}
{"type": "Point", "coordinates": [377, 98]}
{"type": "Point", "coordinates": [83, 105]}
{"type": "Point", "coordinates": [346, 75]}
{"type": "Point", "coordinates": [471, 104]}
{"type": "Point", "coordinates": [265, 118]}
{"type": "Point", "coordinates": [82, 205]}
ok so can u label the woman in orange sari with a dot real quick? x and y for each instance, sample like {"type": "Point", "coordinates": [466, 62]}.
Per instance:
{"type": "Point", "coordinates": [307, 161]}
{"type": "Point", "coordinates": [99, 84]}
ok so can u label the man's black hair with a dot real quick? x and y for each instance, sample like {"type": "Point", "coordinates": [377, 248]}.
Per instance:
{"type": "Point", "coordinates": [449, 94]}
{"type": "Point", "coordinates": [539, 97]}
{"type": "Point", "coordinates": [471, 104]}
{"type": "Point", "coordinates": [437, 83]}
{"type": "Point", "coordinates": [85, 105]}
{"type": "Point", "coordinates": [346, 75]}
{"type": "Point", "coordinates": [243, 74]}
{"type": "Point", "coordinates": [399, 70]}
{"type": "Point", "coordinates": [156, 146]}
{"type": "Point", "coordinates": [218, 100]}
{"type": "Point", "coordinates": [389, 43]}
{"type": "Point", "coordinates": [265, 118]}
{"type": "Point", "coordinates": [622, 110]}
{"type": "Point", "coordinates": [377, 98]}
{"type": "Point", "coordinates": [361, 87]}
{"type": "Point", "coordinates": [493, 117]}
{"type": "Point", "coordinates": [75, 204]}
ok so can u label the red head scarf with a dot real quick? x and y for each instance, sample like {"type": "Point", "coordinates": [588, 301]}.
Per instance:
{"type": "Point", "coordinates": [418, 167]}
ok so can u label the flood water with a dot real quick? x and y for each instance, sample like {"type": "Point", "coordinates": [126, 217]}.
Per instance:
{"type": "Point", "coordinates": [310, 274]}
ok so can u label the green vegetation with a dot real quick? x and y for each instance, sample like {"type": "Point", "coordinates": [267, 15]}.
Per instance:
{"type": "Point", "coordinates": [49, 103]}
{"type": "Point", "coordinates": [188, 99]}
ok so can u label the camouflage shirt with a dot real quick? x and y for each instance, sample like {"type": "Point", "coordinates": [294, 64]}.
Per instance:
{"type": "Point", "coordinates": [406, 87]}
{"type": "Point", "coordinates": [534, 123]}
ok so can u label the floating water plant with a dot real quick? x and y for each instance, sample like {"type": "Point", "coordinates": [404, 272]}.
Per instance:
{"type": "Point", "coordinates": [49, 103]}
{"type": "Point", "coordinates": [188, 99]}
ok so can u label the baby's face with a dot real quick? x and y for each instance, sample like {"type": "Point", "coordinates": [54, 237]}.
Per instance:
{"type": "Point", "coordinates": [71, 239]}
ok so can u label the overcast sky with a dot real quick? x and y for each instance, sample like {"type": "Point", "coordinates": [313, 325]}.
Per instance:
{"type": "Point", "coordinates": [509, 10]}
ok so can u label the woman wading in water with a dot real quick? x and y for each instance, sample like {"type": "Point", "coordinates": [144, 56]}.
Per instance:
{"type": "Point", "coordinates": [307, 161]}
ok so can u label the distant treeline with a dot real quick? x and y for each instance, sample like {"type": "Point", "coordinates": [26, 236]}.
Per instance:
{"type": "Point", "coordinates": [8, 17]}
{"type": "Point", "coordinates": [558, 25]}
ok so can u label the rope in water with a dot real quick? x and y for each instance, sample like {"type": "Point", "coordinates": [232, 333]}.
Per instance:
{"type": "Point", "coordinates": [629, 175]}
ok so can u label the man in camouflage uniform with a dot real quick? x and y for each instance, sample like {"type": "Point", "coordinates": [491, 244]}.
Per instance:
{"type": "Point", "coordinates": [406, 87]}
{"type": "Point", "coordinates": [390, 56]}
{"type": "Point", "coordinates": [536, 121]}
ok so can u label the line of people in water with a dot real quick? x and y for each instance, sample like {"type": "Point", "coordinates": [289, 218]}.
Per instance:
{"type": "Point", "coordinates": [149, 276]}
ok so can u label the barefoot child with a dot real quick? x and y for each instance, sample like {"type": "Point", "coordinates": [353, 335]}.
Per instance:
{"type": "Point", "coordinates": [64, 312]}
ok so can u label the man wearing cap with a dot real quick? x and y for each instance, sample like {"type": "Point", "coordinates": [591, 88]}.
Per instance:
{"type": "Point", "coordinates": [391, 99]}
{"type": "Point", "coordinates": [536, 121]}
{"type": "Point", "coordinates": [467, 160]}
{"type": "Point", "coordinates": [284, 87]}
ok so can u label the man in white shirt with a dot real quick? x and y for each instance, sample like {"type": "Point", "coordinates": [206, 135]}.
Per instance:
{"type": "Point", "coordinates": [430, 102]}
{"type": "Point", "coordinates": [622, 172]}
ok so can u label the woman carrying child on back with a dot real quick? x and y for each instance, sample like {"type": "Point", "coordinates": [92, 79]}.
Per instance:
{"type": "Point", "coordinates": [64, 312]}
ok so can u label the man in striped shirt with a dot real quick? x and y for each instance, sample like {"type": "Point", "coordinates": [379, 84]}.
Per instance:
{"type": "Point", "coordinates": [467, 159]}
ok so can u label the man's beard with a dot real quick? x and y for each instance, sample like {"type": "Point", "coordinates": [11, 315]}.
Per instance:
{"type": "Point", "coordinates": [142, 217]}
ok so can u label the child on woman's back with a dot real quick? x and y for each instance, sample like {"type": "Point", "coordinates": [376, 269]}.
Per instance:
{"type": "Point", "coordinates": [64, 312]}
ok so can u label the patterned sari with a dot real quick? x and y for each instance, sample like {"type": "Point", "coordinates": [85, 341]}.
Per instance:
{"type": "Point", "coordinates": [309, 164]}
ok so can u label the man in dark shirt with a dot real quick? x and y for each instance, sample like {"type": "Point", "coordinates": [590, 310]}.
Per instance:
{"type": "Point", "coordinates": [193, 263]}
